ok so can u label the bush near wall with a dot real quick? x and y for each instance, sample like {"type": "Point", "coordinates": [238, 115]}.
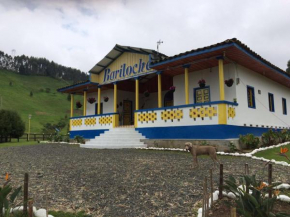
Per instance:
{"type": "Point", "coordinates": [274, 137]}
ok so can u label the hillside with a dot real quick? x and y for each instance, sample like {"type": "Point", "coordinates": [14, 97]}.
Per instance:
{"type": "Point", "coordinates": [44, 107]}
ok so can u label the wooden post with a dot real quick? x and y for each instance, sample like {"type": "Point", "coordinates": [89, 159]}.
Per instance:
{"type": "Point", "coordinates": [203, 201]}
{"type": "Point", "coordinates": [211, 188]}
{"type": "Point", "coordinates": [27, 137]}
{"type": "Point", "coordinates": [246, 169]}
{"type": "Point", "coordinates": [233, 212]}
{"type": "Point", "coordinates": [18, 139]}
{"type": "Point", "coordinates": [25, 193]}
{"type": "Point", "coordinates": [43, 137]}
{"type": "Point", "coordinates": [30, 208]}
{"type": "Point", "coordinates": [221, 181]}
{"type": "Point", "coordinates": [270, 170]}
{"type": "Point", "coordinates": [34, 137]}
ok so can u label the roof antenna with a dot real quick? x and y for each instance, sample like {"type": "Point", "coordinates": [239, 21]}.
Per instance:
{"type": "Point", "coordinates": [158, 44]}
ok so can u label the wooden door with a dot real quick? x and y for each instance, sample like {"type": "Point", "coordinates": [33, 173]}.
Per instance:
{"type": "Point", "coordinates": [127, 112]}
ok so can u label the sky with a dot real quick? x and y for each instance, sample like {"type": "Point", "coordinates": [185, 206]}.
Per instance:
{"type": "Point", "coordinates": [79, 33]}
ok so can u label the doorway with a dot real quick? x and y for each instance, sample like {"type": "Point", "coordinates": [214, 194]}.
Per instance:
{"type": "Point", "coordinates": [96, 108]}
{"type": "Point", "coordinates": [127, 112]}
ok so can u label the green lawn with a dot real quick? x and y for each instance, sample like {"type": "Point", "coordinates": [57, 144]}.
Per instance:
{"type": "Point", "coordinates": [44, 107]}
{"type": "Point", "coordinates": [14, 142]}
{"type": "Point", "coordinates": [273, 154]}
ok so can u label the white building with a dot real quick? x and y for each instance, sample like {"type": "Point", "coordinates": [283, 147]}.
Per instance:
{"type": "Point", "coordinates": [253, 100]}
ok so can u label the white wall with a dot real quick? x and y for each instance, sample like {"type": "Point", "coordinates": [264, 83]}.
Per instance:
{"type": "Point", "coordinates": [211, 77]}
{"type": "Point", "coordinates": [261, 115]}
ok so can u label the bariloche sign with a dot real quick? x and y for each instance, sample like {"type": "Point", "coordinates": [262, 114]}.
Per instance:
{"type": "Point", "coordinates": [127, 66]}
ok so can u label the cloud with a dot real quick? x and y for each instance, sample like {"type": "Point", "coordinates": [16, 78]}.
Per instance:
{"type": "Point", "coordinates": [80, 33]}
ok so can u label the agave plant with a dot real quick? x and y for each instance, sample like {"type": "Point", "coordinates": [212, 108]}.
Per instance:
{"type": "Point", "coordinates": [251, 197]}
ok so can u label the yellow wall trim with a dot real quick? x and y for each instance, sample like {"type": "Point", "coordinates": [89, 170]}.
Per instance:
{"type": "Point", "coordinates": [222, 113]}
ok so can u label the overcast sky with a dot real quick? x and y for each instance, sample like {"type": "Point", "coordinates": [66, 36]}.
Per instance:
{"type": "Point", "coordinates": [80, 33]}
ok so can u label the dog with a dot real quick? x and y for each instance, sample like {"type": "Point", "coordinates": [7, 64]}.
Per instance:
{"type": "Point", "coordinates": [201, 150]}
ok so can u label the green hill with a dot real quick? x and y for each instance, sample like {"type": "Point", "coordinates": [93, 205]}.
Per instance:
{"type": "Point", "coordinates": [44, 106]}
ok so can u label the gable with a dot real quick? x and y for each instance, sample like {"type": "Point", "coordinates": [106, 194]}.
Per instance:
{"type": "Point", "coordinates": [126, 66]}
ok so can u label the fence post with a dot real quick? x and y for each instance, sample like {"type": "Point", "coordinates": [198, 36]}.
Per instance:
{"type": "Point", "coordinates": [221, 181]}
{"type": "Point", "coordinates": [34, 137]}
{"type": "Point", "coordinates": [27, 137]}
{"type": "Point", "coordinates": [43, 137]}
{"type": "Point", "coordinates": [30, 208]}
{"type": "Point", "coordinates": [18, 139]}
{"type": "Point", "coordinates": [25, 193]}
{"type": "Point", "coordinates": [233, 212]}
{"type": "Point", "coordinates": [270, 170]}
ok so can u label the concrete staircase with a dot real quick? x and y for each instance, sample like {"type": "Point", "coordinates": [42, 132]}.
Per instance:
{"type": "Point", "coordinates": [116, 138]}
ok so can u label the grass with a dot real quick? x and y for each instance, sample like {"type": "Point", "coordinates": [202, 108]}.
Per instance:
{"type": "Point", "coordinates": [14, 142]}
{"type": "Point", "coordinates": [273, 154]}
{"type": "Point", "coordinates": [44, 107]}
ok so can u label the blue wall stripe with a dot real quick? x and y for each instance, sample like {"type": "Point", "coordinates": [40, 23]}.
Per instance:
{"type": "Point", "coordinates": [87, 134]}
{"type": "Point", "coordinates": [200, 132]}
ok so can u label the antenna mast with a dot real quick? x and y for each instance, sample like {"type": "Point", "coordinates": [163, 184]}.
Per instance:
{"type": "Point", "coordinates": [158, 44]}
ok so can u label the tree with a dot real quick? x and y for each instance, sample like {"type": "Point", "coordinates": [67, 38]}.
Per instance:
{"type": "Point", "coordinates": [11, 125]}
{"type": "Point", "coordinates": [288, 67]}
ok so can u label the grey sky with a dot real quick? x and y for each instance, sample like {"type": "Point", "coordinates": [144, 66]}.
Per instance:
{"type": "Point", "coordinates": [79, 33]}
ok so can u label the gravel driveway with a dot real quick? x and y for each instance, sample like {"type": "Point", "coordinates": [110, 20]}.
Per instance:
{"type": "Point", "coordinates": [118, 182]}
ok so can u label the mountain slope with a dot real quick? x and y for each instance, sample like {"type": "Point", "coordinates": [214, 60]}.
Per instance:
{"type": "Point", "coordinates": [44, 107]}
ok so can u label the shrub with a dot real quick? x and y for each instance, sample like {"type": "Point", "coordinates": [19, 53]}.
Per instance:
{"type": "Point", "coordinates": [250, 141]}
{"type": "Point", "coordinates": [41, 90]}
{"type": "Point", "coordinates": [57, 138]}
{"type": "Point", "coordinates": [283, 135]}
{"type": "Point", "coordinates": [11, 125]}
{"type": "Point", "coordinates": [31, 93]}
{"type": "Point", "coordinates": [203, 143]}
{"type": "Point", "coordinates": [270, 138]}
{"type": "Point", "coordinates": [47, 90]}
{"type": "Point", "coordinates": [255, 203]}
{"type": "Point", "coordinates": [232, 147]}
{"type": "Point", "coordinates": [79, 139]}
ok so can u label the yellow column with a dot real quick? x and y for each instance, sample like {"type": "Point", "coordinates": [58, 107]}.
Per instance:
{"type": "Point", "coordinates": [99, 100]}
{"type": "Point", "coordinates": [136, 101]}
{"type": "Point", "coordinates": [222, 108]}
{"type": "Point", "coordinates": [115, 97]}
{"type": "Point", "coordinates": [71, 108]}
{"type": "Point", "coordinates": [71, 105]}
{"type": "Point", "coordinates": [186, 84]}
{"type": "Point", "coordinates": [85, 103]}
{"type": "Point", "coordinates": [159, 91]}
{"type": "Point", "coordinates": [115, 116]}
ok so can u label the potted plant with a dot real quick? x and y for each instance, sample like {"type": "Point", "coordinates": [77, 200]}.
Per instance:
{"type": "Point", "coordinates": [229, 82]}
{"type": "Point", "coordinates": [146, 93]}
{"type": "Point", "coordinates": [78, 104]}
{"type": "Point", "coordinates": [106, 99]}
{"type": "Point", "coordinates": [91, 100]}
{"type": "Point", "coordinates": [172, 88]}
{"type": "Point", "coordinates": [201, 83]}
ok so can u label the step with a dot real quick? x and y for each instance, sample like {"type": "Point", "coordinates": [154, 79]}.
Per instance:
{"type": "Point", "coordinates": [117, 138]}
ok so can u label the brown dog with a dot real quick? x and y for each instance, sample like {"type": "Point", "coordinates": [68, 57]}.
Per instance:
{"type": "Point", "coordinates": [201, 150]}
